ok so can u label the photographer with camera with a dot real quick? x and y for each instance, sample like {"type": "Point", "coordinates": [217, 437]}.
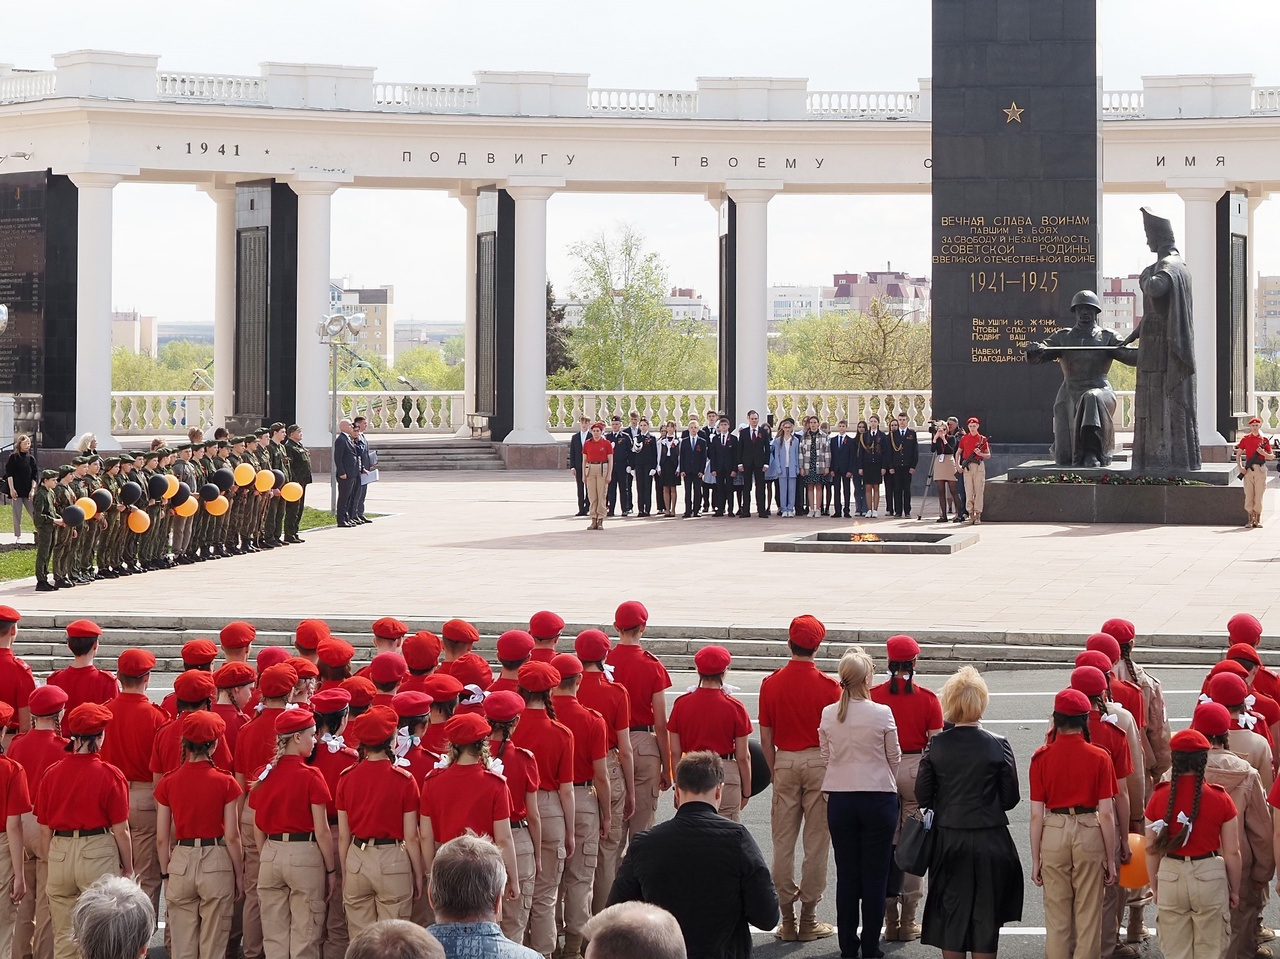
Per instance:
{"type": "Point", "coordinates": [1252, 453]}
{"type": "Point", "coordinates": [946, 466]}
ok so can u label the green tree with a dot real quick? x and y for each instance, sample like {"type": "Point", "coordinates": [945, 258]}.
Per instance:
{"type": "Point", "coordinates": [879, 349]}
{"type": "Point", "coordinates": [137, 372]}
{"type": "Point", "coordinates": [427, 369]}
{"type": "Point", "coordinates": [559, 355]}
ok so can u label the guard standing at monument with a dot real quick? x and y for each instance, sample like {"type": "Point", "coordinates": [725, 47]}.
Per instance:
{"type": "Point", "coordinates": [300, 473]}
{"type": "Point", "coordinates": [1253, 452]}
{"type": "Point", "coordinates": [46, 520]}
{"type": "Point", "coordinates": [871, 457]}
{"type": "Point", "coordinates": [904, 457]}
{"type": "Point", "coordinates": [974, 449]}
{"type": "Point", "coordinates": [597, 467]}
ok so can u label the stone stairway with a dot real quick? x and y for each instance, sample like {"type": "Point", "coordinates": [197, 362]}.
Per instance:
{"type": "Point", "coordinates": [437, 454]}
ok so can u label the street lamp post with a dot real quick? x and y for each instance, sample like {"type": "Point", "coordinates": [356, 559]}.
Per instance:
{"type": "Point", "coordinates": [335, 331]}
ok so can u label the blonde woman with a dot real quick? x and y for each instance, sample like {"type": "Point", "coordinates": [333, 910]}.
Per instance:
{"type": "Point", "coordinates": [20, 475]}
{"type": "Point", "coordinates": [859, 743]}
{"type": "Point", "coordinates": [87, 443]}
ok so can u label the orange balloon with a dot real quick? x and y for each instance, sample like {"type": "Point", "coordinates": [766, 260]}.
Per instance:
{"type": "Point", "coordinates": [264, 481]}
{"type": "Point", "coordinates": [1133, 874]}
{"type": "Point", "coordinates": [89, 506]}
{"type": "Point", "coordinates": [216, 507]}
{"type": "Point", "coordinates": [292, 492]}
{"type": "Point", "coordinates": [244, 474]}
{"type": "Point", "coordinates": [139, 521]}
{"type": "Point", "coordinates": [188, 507]}
{"type": "Point", "coordinates": [173, 485]}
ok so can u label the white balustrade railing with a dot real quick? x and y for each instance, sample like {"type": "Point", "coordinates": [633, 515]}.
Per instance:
{"type": "Point", "coordinates": [159, 412]}
{"type": "Point", "coordinates": [872, 105]}
{"type": "Point", "coordinates": [832, 406]}
{"type": "Point", "coordinates": [426, 97]}
{"type": "Point", "coordinates": [1266, 100]}
{"type": "Point", "coordinates": [642, 103]}
{"type": "Point", "coordinates": [1266, 406]}
{"type": "Point", "coordinates": [565, 406]}
{"type": "Point", "coordinates": [211, 87]}
{"type": "Point", "coordinates": [28, 85]}
{"type": "Point", "coordinates": [405, 411]}
{"type": "Point", "coordinates": [1123, 103]}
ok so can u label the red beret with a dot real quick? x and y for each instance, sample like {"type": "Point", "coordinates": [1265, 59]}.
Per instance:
{"type": "Point", "coordinates": [1211, 719]}
{"type": "Point", "coordinates": [83, 629]}
{"type": "Point", "coordinates": [1245, 628]}
{"type": "Point", "coordinates": [567, 665]}
{"type": "Point", "coordinates": [294, 721]}
{"type": "Point", "coordinates": [194, 685]}
{"type": "Point", "coordinates": [135, 662]}
{"type": "Point", "coordinates": [1107, 645]}
{"type": "Point", "coordinates": [503, 706]}
{"type": "Point", "coordinates": [271, 656]}
{"type": "Point", "coordinates": [807, 632]}
{"type": "Point", "coordinates": [469, 671]}
{"type": "Point", "coordinates": [467, 728]}
{"type": "Point", "coordinates": [972, 420]}
{"type": "Point", "coordinates": [362, 691]}
{"type": "Point", "coordinates": [387, 668]}
{"type": "Point", "coordinates": [545, 625]}
{"type": "Point", "coordinates": [513, 645]}
{"type": "Point", "coordinates": [199, 652]}
{"type": "Point", "coordinates": [630, 615]}
{"type": "Point", "coordinates": [389, 628]}
{"type": "Point", "coordinates": [1228, 690]}
{"type": "Point", "coordinates": [538, 677]}
{"type": "Point", "coordinates": [1089, 680]}
{"type": "Point", "coordinates": [412, 703]}
{"type": "Point", "coordinates": [374, 727]}
{"type": "Point", "coordinates": [87, 719]}
{"type": "Point", "coordinates": [1254, 419]}
{"type": "Point", "coordinates": [309, 634]}
{"type": "Point", "coordinates": [232, 675]}
{"type": "Point", "coordinates": [1188, 741]}
{"type": "Point", "coordinates": [441, 687]}
{"type": "Point", "coordinates": [592, 645]}
{"type": "Point", "coordinates": [331, 700]}
{"type": "Point", "coordinates": [1119, 629]}
{"type": "Point", "coordinates": [202, 726]}
{"type": "Point", "coordinates": [421, 651]}
{"type": "Point", "coordinates": [237, 635]}
{"type": "Point", "coordinates": [1230, 666]}
{"type": "Point", "coordinates": [47, 700]}
{"type": "Point", "coordinates": [7, 713]}
{"type": "Point", "coordinates": [460, 631]}
{"type": "Point", "coordinates": [711, 660]}
{"type": "Point", "coordinates": [276, 682]}
{"type": "Point", "coordinates": [1071, 702]}
{"type": "Point", "coordinates": [334, 653]}
{"type": "Point", "coordinates": [1246, 652]}
{"type": "Point", "coordinates": [9, 615]}
{"type": "Point", "coordinates": [901, 649]}
{"type": "Point", "coordinates": [305, 668]}
{"type": "Point", "coordinates": [1091, 657]}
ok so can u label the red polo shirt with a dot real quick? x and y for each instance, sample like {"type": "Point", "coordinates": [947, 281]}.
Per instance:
{"type": "Point", "coordinates": [590, 737]}
{"type": "Point", "coordinates": [460, 797]}
{"type": "Point", "coordinates": [256, 743]}
{"type": "Point", "coordinates": [709, 719]}
{"type": "Point", "coordinates": [520, 770]}
{"type": "Point", "coordinates": [791, 704]}
{"type": "Point", "coordinates": [421, 762]}
{"type": "Point", "coordinates": [542, 654]}
{"type": "Point", "coordinates": [85, 684]}
{"type": "Point", "coordinates": [166, 755]}
{"type": "Point", "coordinates": [197, 795]}
{"type": "Point", "coordinates": [1130, 697]}
{"type": "Point", "coordinates": [1071, 772]}
{"type": "Point", "coordinates": [597, 450]}
{"type": "Point", "coordinates": [1216, 810]}
{"type": "Point", "coordinates": [1249, 444]}
{"type": "Point", "coordinates": [643, 674]}
{"type": "Point", "coordinates": [610, 700]}
{"type": "Point", "coordinates": [282, 802]}
{"type": "Point", "coordinates": [332, 766]}
{"type": "Point", "coordinates": [135, 720]}
{"type": "Point", "coordinates": [375, 796]}
{"type": "Point", "coordinates": [234, 720]}
{"type": "Point", "coordinates": [1115, 742]}
{"type": "Point", "coordinates": [916, 713]}
{"type": "Point", "coordinates": [82, 792]}
{"type": "Point", "coordinates": [15, 797]}
{"type": "Point", "coordinates": [16, 682]}
{"type": "Point", "coordinates": [36, 750]}
{"type": "Point", "coordinates": [551, 743]}
{"type": "Point", "coordinates": [469, 669]}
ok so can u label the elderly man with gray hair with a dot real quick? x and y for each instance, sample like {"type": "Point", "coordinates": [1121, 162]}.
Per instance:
{"type": "Point", "coordinates": [113, 919]}
{"type": "Point", "coordinates": [346, 469]}
{"type": "Point", "coordinates": [634, 930]}
{"type": "Point", "coordinates": [468, 879]}
{"type": "Point", "coordinates": [394, 939]}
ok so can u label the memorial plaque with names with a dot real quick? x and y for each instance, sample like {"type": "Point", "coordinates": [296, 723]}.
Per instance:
{"type": "Point", "coordinates": [22, 267]}
{"type": "Point", "coordinates": [1015, 201]}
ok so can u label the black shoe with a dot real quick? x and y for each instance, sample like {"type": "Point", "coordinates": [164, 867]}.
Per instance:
{"type": "Point", "coordinates": [44, 586]}
{"type": "Point", "coordinates": [267, 544]}
{"type": "Point", "coordinates": [581, 512]}
{"type": "Point", "coordinates": [686, 515]}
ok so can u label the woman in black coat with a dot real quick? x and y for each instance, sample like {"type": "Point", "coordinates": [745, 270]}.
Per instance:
{"type": "Point", "coordinates": [20, 478]}
{"type": "Point", "coordinates": [969, 779]}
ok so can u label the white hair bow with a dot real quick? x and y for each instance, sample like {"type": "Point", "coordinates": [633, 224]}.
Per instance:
{"type": "Point", "coordinates": [1247, 720]}
{"type": "Point", "coordinates": [260, 707]}
{"type": "Point", "coordinates": [404, 742]}
{"type": "Point", "coordinates": [401, 762]}
{"type": "Point", "coordinates": [334, 743]}
{"type": "Point", "coordinates": [728, 690]}
{"type": "Point", "coordinates": [442, 763]}
{"type": "Point", "coordinates": [495, 766]}
{"type": "Point", "coordinates": [608, 671]}
{"type": "Point", "coordinates": [475, 698]}
{"type": "Point", "coordinates": [1158, 826]}
{"type": "Point", "coordinates": [1250, 700]}
{"type": "Point", "coordinates": [1205, 698]}
{"type": "Point", "coordinates": [1185, 820]}
{"type": "Point", "coordinates": [289, 706]}
{"type": "Point", "coordinates": [1111, 718]}
{"type": "Point", "coordinates": [266, 771]}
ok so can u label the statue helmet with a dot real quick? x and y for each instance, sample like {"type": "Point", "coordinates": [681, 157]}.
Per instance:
{"type": "Point", "coordinates": [1159, 230]}
{"type": "Point", "coordinates": [1087, 298]}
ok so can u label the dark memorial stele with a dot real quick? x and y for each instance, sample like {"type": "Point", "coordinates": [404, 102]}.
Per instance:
{"type": "Point", "coordinates": [1015, 201]}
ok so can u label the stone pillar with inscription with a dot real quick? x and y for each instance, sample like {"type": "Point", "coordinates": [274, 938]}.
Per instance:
{"type": "Point", "coordinates": [93, 308]}
{"type": "Point", "coordinates": [1200, 252]}
{"type": "Point", "coordinates": [1015, 200]}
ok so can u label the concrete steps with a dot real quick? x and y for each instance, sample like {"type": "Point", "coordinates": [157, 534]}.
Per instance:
{"type": "Point", "coordinates": [459, 454]}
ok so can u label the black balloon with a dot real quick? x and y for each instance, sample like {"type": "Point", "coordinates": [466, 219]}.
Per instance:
{"type": "Point", "coordinates": [209, 492]}
{"type": "Point", "coordinates": [760, 777]}
{"type": "Point", "coordinates": [225, 478]}
{"type": "Point", "coordinates": [130, 493]}
{"type": "Point", "coordinates": [279, 478]}
{"type": "Point", "coordinates": [101, 499]}
{"type": "Point", "coordinates": [181, 496]}
{"type": "Point", "coordinates": [157, 486]}
{"type": "Point", "coordinates": [73, 516]}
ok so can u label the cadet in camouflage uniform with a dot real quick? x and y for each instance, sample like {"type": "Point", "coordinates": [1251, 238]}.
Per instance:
{"type": "Point", "coordinates": [47, 521]}
{"type": "Point", "coordinates": [204, 521]}
{"type": "Point", "coordinates": [182, 525]}
{"type": "Point", "coordinates": [64, 536]}
{"type": "Point", "coordinates": [299, 472]}
{"type": "Point", "coordinates": [222, 524]}
{"type": "Point", "coordinates": [76, 570]}
{"type": "Point", "coordinates": [264, 539]}
{"type": "Point", "coordinates": [279, 460]}
{"type": "Point", "coordinates": [260, 459]}
{"type": "Point", "coordinates": [127, 541]}
{"type": "Point", "coordinates": [92, 531]}
{"type": "Point", "coordinates": [110, 519]}
{"type": "Point", "coordinates": [235, 521]}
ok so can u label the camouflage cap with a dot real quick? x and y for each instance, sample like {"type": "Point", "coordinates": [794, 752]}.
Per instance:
{"type": "Point", "coordinates": [48, 475]}
{"type": "Point", "coordinates": [66, 469]}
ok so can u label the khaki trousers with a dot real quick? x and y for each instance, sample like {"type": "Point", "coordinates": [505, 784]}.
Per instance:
{"type": "Point", "coordinates": [902, 910]}
{"type": "Point", "coordinates": [8, 908]}
{"type": "Point", "coordinates": [515, 915]}
{"type": "Point", "coordinates": [198, 901]}
{"type": "Point", "coordinates": [975, 480]}
{"type": "Point", "coordinates": [580, 868]}
{"type": "Point", "coordinates": [34, 935]}
{"type": "Point", "coordinates": [1245, 921]}
{"type": "Point", "coordinates": [597, 488]}
{"type": "Point", "coordinates": [74, 865]}
{"type": "Point", "coordinates": [731, 797]}
{"type": "Point", "coordinates": [1255, 486]}
{"type": "Point", "coordinates": [610, 845]}
{"type": "Point", "coordinates": [546, 888]}
{"type": "Point", "coordinates": [142, 836]}
{"type": "Point", "coordinates": [1071, 865]}
{"type": "Point", "coordinates": [335, 938]}
{"type": "Point", "coordinates": [379, 885]}
{"type": "Point", "coordinates": [251, 914]}
{"type": "Point", "coordinates": [799, 809]}
{"type": "Point", "coordinates": [1192, 917]}
{"type": "Point", "coordinates": [1111, 900]}
{"type": "Point", "coordinates": [647, 771]}
{"type": "Point", "coordinates": [291, 895]}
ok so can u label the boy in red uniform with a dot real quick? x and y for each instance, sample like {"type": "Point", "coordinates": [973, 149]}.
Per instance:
{"type": "Point", "coordinates": [515, 648]}
{"type": "Point", "coordinates": [421, 653]}
{"type": "Point", "coordinates": [459, 661]}
{"type": "Point", "coordinates": [16, 681]}
{"type": "Point", "coordinates": [388, 636]}
{"type": "Point", "coordinates": [333, 659]}
{"type": "Point", "coordinates": [234, 682]}
{"type": "Point", "coordinates": [444, 691]}
{"type": "Point", "coordinates": [1253, 452]}
{"type": "Point", "coordinates": [708, 719]}
{"type": "Point", "coordinates": [308, 636]}
{"type": "Point", "coordinates": [386, 671]}
{"type": "Point", "coordinates": [974, 450]}
{"type": "Point", "coordinates": [236, 638]}
{"type": "Point", "coordinates": [83, 681]}
{"type": "Point", "coordinates": [196, 654]}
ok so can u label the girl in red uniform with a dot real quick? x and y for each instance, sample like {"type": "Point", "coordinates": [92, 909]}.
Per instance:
{"type": "Point", "coordinates": [974, 450]}
{"type": "Point", "coordinates": [378, 827]}
{"type": "Point", "coordinates": [413, 710]}
{"type": "Point", "coordinates": [291, 825]}
{"type": "Point", "coordinates": [1193, 854]}
{"type": "Point", "coordinates": [198, 843]}
{"type": "Point", "coordinates": [444, 691]}
{"type": "Point", "coordinates": [15, 802]}
{"type": "Point", "coordinates": [520, 769]}
{"type": "Point", "coordinates": [333, 757]}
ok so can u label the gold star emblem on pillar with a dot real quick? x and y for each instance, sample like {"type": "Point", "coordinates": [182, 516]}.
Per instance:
{"type": "Point", "coordinates": [1014, 113]}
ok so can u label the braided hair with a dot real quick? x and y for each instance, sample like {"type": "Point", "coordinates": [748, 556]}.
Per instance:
{"type": "Point", "coordinates": [1062, 722]}
{"type": "Point", "coordinates": [387, 749]}
{"type": "Point", "coordinates": [1126, 653]}
{"type": "Point", "coordinates": [907, 669]}
{"type": "Point", "coordinates": [330, 722]}
{"type": "Point", "coordinates": [543, 697]}
{"type": "Point", "coordinates": [1183, 764]}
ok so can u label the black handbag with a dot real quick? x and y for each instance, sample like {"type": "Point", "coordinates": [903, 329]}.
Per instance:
{"type": "Point", "coordinates": [915, 844]}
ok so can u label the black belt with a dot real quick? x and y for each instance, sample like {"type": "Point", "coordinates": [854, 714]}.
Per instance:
{"type": "Point", "coordinates": [912, 752]}
{"type": "Point", "coordinates": [1203, 855]}
{"type": "Point", "coordinates": [81, 833]}
{"type": "Point", "coordinates": [727, 756]}
{"type": "Point", "coordinates": [642, 729]}
{"type": "Point", "coordinates": [197, 843]}
{"type": "Point", "coordinates": [519, 824]}
{"type": "Point", "coordinates": [292, 836]}
{"type": "Point", "coordinates": [593, 463]}
{"type": "Point", "coordinates": [589, 782]}
{"type": "Point", "coordinates": [366, 843]}
{"type": "Point", "coordinates": [1076, 810]}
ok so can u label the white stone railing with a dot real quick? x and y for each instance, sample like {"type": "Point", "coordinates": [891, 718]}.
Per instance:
{"type": "Point", "coordinates": [565, 406]}
{"type": "Point", "coordinates": [902, 105]}
{"type": "Point", "coordinates": [426, 97]}
{"type": "Point", "coordinates": [1266, 100]}
{"type": "Point", "coordinates": [1123, 103]}
{"type": "Point", "coordinates": [28, 85]}
{"type": "Point", "coordinates": [642, 103]}
{"type": "Point", "coordinates": [1266, 407]}
{"type": "Point", "coordinates": [213, 87]}
{"type": "Point", "coordinates": [407, 411]}
{"type": "Point", "coordinates": [832, 406]}
{"type": "Point", "coordinates": [159, 412]}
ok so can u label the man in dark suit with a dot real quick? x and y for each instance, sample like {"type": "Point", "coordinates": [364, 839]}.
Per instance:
{"type": "Point", "coordinates": [346, 464]}
{"type": "Point", "coordinates": [708, 433]}
{"type": "Point", "coordinates": [620, 478]}
{"type": "Point", "coordinates": [575, 461]}
{"type": "Point", "coordinates": [904, 456]}
{"type": "Point", "coordinates": [355, 509]}
{"type": "Point", "coordinates": [644, 464]}
{"type": "Point", "coordinates": [842, 467]}
{"type": "Point", "coordinates": [693, 462]}
{"type": "Point", "coordinates": [724, 466]}
{"type": "Point", "coordinates": [753, 458]}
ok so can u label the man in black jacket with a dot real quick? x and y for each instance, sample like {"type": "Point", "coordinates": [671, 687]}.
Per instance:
{"type": "Point", "coordinates": [299, 472]}
{"type": "Point", "coordinates": [620, 478]}
{"type": "Point", "coordinates": [724, 466]}
{"type": "Point", "coordinates": [575, 461]}
{"type": "Point", "coordinates": [843, 463]}
{"type": "Point", "coordinates": [904, 456]}
{"type": "Point", "coordinates": [702, 868]}
{"type": "Point", "coordinates": [644, 464]}
{"type": "Point", "coordinates": [346, 464]}
{"type": "Point", "coordinates": [693, 462]}
{"type": "Point", "coordinates": [753, 457]}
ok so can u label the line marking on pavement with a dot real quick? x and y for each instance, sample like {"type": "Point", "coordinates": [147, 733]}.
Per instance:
{"type": "Point", "coordinates": [1004, 931]}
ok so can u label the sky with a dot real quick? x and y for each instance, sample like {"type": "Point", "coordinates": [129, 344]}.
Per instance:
{"type": "Point", "coordinates": [164, 235]}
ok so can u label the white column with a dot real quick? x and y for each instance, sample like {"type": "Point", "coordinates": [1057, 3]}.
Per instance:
{"type": "Point", "coordinates": [224, 304]}
{"type": "Point", "coordinates": [469, 199]}
{"type": "Point", "coordinates": [529, 386]}
{"type": "Point", "coordinates": [93, 307]}
{"type": "Point", "coordinates": [1251, 307]}
{"type": "Point", "coordinates": [751, 211]}
{"type": "Point", "coordinates": [312, 370]}
{"type": "Point", "coordinates": [1200, 251]}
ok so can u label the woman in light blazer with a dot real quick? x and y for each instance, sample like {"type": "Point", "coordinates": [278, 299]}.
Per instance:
{"type": "Point", "coordinates": [784, 465]}
{"type": "Point", "coordinates": [859, 744]}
